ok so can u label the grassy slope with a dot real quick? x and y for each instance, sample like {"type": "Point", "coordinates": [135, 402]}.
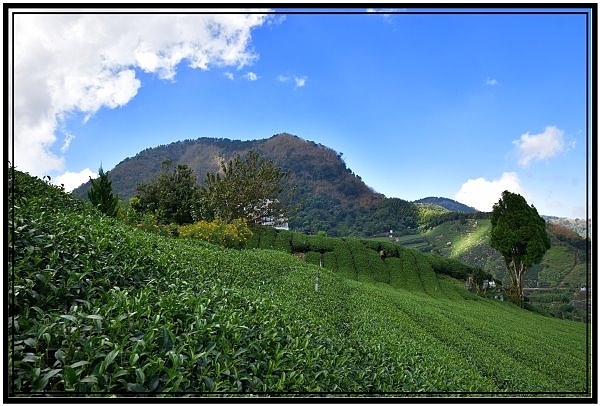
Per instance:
{"type": "Point", "coordinates": [98, 306]}
{"type": "Point", "coordinates": [561, 273]}
{"type": "Point", "coordinates": [466, 241]}
{"type": "Point", "coordinates": [562, 264]}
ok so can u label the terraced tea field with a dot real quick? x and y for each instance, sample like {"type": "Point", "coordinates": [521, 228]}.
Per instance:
{"type": "Point", "coordinates": [97, 308]}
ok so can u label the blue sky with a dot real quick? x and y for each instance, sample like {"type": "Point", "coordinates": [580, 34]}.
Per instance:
{"type": "Point", "coordinates": [420, 104]}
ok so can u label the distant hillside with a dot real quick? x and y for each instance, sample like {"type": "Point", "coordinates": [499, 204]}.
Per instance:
{"type": "Point", "coordinates": [332, 198]}
{"type": "Point", "coordinates": [448, 204]}
{"type": "Point", "coordinates": [580, 226]}
{"type": "Point", "coordinates": [554, 286]}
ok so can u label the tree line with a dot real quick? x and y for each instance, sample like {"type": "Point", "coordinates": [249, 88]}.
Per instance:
{"type": "Point", "coordinates": [250, 188]}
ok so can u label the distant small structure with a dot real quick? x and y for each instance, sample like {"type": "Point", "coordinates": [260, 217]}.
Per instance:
{"type": "Point", "coordinates": [489, 284]}
{"type": "Point", "coordinates": [487, 288]}
{"type": "Point", "coordinates": [280, 223]}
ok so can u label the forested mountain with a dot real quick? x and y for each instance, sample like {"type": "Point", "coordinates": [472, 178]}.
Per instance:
{"type": "Point", "coordinates": [321, 168]}
{"type": "Point", "coordinates": [331, 197]}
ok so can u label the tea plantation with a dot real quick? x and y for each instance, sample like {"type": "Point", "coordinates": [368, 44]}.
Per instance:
{"type": "Point", "coordinates": [98, 308]}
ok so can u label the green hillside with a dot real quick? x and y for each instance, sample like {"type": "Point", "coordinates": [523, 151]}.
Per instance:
{"type": "Point", "coordinates": [552, 287]}
{"type": "Point", "coordinates": [96, 306]}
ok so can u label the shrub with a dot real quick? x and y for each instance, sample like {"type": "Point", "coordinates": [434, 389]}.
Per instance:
{"type": "Point", "coordinates": [300, 243]}
{"type": "Point", "coordinates": [283, 241]}
{"type": "Point", "coordinates": [147, 222]}
{"type": "Point", "coordinates": [230, 235]}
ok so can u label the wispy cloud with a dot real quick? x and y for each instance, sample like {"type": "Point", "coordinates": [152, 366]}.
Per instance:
{"type": "Point", "coordinates": [300, 81]}
{"type": "Point", "coordinates": [229, 75]}
{"type": "Point", "coordinates": [276, 19]}
{"type": "Point", "coordinates": [537, 147]}
{"type": "Point", "coordinates": [251, 76]}
{"type": "Point", "coordinates": [491, 82]}
{"type": "Point", "coordinates": [67, 142]}
{"type": "Point", "coordinates": [481, 193]}
{"type": "Point", "coordinates": [385, 10]}
{"type": "Point", "coordinates": [90, 61]}
{"type": "Point", "coordinates": [386, 13]}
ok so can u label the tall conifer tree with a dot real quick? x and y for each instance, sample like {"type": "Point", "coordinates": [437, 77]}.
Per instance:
{"type": "Point", "coordinates": [101, 196]}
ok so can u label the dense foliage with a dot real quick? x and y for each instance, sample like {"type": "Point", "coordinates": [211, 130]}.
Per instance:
{"type": "Point", "coordinates": [447, 204]}
{"type": "Point", "coordinates": [172, 197]}
{"type": "Point", "coordinates": [519, 233]}
{"type": "Point", "coordinates": [319, 213]}
{"type": "Point", "coordinates": [101, 196]}
{"type": "Point", "coordinates": [231, 235]}
{"type": "Point", "coordinates": [553, 287]}
{"type": "Point", "coordinates": [249, 187]}
{"type": "Point", "coordinates": [367, 260]}
{"type": "Point", "coordinates": [98, 306]}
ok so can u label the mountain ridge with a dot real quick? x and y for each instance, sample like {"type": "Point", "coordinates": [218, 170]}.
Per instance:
{"type": "Point", "coordinates": [202, 155]}
{"type": "Point", "coordinates": [334, 199]}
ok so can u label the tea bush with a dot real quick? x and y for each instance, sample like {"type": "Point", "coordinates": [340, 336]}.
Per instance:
{"type": "Point", "coordinates": [360, 259]}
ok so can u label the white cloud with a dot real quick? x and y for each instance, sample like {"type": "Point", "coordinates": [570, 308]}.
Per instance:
{"type": "Point", "coordinates": [229, 75]}
{"type": "Point", "coordinates": [491, 82]}
{"type": "Point", "coordinates": [251, 76]}
{"type": "Point", "coordinates": [72, 180]}
{"type": "Point", "coordinates": [481, 193]}
{"type": "Point", "coordinates": [67, 142]}
{"type": "Point", "coordinates": [300, 81]}
{"type": "Point", "coordinates": [536, 147]}
{"type": "Point", "coordinates": [80, 63]}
